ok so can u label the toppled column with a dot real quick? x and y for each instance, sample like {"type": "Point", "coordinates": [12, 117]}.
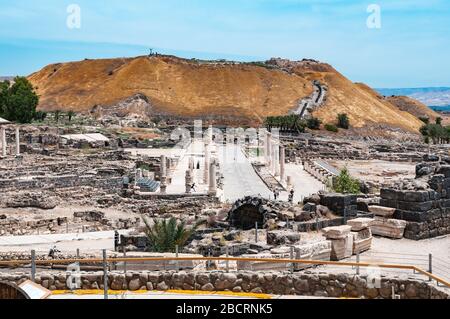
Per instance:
{"type": "Point", "coordinates": [17, 142]}
{"type": "Point", "coordinates": [3, 133]}
{"type": "Point", "coordinates": [282, 163]}
{"type": "Point", "coordinates": [212, 179]}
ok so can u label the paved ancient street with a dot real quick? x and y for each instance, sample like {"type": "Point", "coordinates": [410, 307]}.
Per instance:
{"type": "Point", "coordinates": [240, 179]}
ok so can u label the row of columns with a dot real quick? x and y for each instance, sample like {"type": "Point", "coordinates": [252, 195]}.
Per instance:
{"type": "Point", "coordinates": [275, 157]}
{"type": "Point", "coordinates": [4, 144]}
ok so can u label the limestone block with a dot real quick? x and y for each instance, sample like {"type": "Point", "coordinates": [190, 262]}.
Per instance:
{"type": "Point", "coordinates": [362, 240]}
{"type": "Point", "coordinates": [342, 248]}
{"type": "Point", "coordinates": [359, 224]}
{"type": "Point", "coordinates": [312, 251]}
{"type": "Point", "coordinates": [338, 232]}
{"type": "Point", "coordinates": [391, 228]}
{"type": "Point", "coordinates": [382, 211]}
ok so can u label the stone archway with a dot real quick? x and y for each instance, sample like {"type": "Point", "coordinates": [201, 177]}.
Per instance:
{"type": "Point", "coordinates": [249, 211]}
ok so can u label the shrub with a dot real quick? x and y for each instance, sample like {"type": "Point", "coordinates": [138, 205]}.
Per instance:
{"type": "Point", "coordinates": [164, 235]}
{"type": "Point", "coordinates": [331, 128]}
{"type": "Point", "coordinates": [343, 121]}
{"type": "Point", "coordinates": [313, 123]}
{"type": "Point", "coordinates": [439, 120]}
{"type": "Point", "coordinates": [345, 184]}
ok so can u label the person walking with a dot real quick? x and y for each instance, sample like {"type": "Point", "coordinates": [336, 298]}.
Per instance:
{"type": "Point", "coordinates": [291, 196]}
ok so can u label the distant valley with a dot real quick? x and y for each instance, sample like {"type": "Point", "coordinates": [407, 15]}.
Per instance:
{"type": "Point", "coordinates": [438, 98]}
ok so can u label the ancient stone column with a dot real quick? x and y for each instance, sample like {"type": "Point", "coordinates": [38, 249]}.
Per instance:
{"type": "Point", "coordinates": [3, 133]}
{"type": "Point", "coordinates": [277, 160]}
{"type": "Point", "coordinates": [212, 179]}
{"type": "Point", "coordinates": [191, 164]}
{"type": "Point", "coordinates": [207, 164]}
{"type": "Point", "coordinates": [17, 141]}
{"type": "Point", "coordinates": [189, 180]}
{"type": "Point", "coordinates": [139, 174]}
{"type": "Point", "coordinates": [163, 168]}
{"type": "Point", "coordinates": [268, 151]}
{"type": "Point", "coordinates": [282, 163]}
{"type": "Point", "coordinates": [163, 185]}
{"type": "Point", "coordinates": [289, 183]}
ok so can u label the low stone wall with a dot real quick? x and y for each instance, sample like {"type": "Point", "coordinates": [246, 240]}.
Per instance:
{"type": "Point", "coordinates": [111, 183]}
{"type": "Point", "coordinates": [308, 284]}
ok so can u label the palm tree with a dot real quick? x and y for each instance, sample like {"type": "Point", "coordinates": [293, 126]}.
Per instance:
{"type": "Point", "coordinates": [164, 235]}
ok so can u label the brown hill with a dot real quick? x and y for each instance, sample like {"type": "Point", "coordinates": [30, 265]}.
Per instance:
{"type": "Point", "coordinates": [190, 88]}
{"type": "Point", "coordinates": [414, 107]}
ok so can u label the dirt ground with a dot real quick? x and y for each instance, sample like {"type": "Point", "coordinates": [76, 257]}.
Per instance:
{"type": "Point", "coordinates": [376, 170]}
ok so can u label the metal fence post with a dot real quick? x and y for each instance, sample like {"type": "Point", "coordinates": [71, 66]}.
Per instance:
{"type": "Point", "coordinates": [256, 232]}
{"type": "Point", "coordinates": [78, 252]}
{"type": "Point", "coordinates": [33, 266]}
{"type": "Point", "coordinates": [227, 264]}
{"type": "Point", "coordinates": [430, 265]}
{"type": "Point", "coordinates": [105, 275]}
{"type": "Point", "coordinates": [124, 256]}
{"type": "Point", "coordinates": [357, 261]}
{"type": "Point", "coordinates": [177, 264]}
{"type": "Point", "coordinates": [292, 258]}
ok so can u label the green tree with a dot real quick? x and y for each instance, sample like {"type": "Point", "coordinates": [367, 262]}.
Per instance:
{"type": "Point", "coordinates": [4, 87]}
{"type": "Point", "coordinates": [313, 123]}
{"type": "Point", "coordinates": [343, 121]}
{"type": "Point", "coordinates": [345, 184]}
{"type": "Point", "coordinates": [439, 120]}
{"type": "Point", "coordinates": [164, 235]}
{"type": "Point", "coordinates": [19, 101]}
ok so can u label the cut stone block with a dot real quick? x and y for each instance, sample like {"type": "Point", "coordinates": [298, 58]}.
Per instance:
{"type": "Point", "coordinates": [362, 241]}
{"type": "Point", "coordinates": [342, 248]}
{"type": "Point", "coordinates": [391, 228]}
{"type": "Point", "coordinates": [310, 251]}
{"type": "Point", "coordinates": [382, 211]}
{"type": "Point", "coordinates": [338, 232]}
{"type": "Point", "coordinates": [359, 224]}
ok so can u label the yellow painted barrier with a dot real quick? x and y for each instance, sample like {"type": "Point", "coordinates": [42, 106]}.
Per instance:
{"type": "Point", "coordinates": [92, 292]}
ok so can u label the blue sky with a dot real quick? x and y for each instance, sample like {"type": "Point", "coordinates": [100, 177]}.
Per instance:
{"type": "Point", "coordinates": [411, 49]}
